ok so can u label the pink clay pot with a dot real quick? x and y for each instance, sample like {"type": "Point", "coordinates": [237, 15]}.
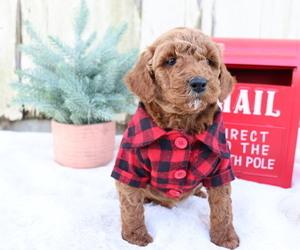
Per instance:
{"type": "Point", "coordinates": [84, 146]}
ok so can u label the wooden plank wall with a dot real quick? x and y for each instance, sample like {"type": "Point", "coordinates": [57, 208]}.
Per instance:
{"type": "Point", "coordinates": [8, 11]}
{"type": "Point", "coordinates": [146, 18]}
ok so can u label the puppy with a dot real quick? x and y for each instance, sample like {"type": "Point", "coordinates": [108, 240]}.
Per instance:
{"type": "Point", "coordinates": [175, 142]}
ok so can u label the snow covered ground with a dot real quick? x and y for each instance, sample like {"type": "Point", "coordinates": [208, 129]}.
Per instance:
{"type": "Point", "coordinates": [46, 206]}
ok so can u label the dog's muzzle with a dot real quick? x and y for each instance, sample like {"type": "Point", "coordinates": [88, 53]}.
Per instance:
{"type": "Point", "coordinates": [198, 84]}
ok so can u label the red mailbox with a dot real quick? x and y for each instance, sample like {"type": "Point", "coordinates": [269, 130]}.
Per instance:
{"type": "Point", "coordinates": [262, 113]}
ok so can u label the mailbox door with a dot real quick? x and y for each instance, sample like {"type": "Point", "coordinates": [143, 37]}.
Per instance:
{"type": "Point", "coordinates": [259, 128]}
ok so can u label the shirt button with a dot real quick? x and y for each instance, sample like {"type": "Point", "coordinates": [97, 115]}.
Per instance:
{"type": "Point", "coordinates": [180, 174]}
{"type": "Point", "coordinates": [174, 193]}
{"type": "Point", "coordinates": [181, 142]}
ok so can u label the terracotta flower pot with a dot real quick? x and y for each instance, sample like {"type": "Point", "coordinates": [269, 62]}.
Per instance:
{"type": "Point", "coordinates": [84, 146]}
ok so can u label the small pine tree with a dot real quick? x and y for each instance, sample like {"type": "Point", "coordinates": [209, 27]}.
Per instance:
{"type": "Point", "coordinates": [78, 84]}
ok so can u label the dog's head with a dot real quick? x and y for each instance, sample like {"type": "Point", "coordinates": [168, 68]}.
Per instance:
{"type": "Point", "coordinates": [183, 71]}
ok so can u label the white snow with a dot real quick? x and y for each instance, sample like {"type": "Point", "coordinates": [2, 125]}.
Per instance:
{"type": "Point", "coordinates": [46, 206]}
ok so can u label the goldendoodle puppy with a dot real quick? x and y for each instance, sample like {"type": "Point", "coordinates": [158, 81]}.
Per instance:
{"type": "Point", "coordinates": [175, 142]}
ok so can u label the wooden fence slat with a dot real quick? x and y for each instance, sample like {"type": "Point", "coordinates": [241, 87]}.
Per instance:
{"type": "Point", "coordinates": [206, 16]}
{"type": "Point", "coordinates": [7, 58]}
{"type": "Point", "coordinates": [257, 19]}
{"type": "Point", "coordinates": [159, 16]}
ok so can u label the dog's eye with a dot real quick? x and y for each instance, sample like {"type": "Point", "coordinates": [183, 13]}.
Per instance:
{"type": "Point", "coordinates": [171, 62]}
{"type": "Point", "coordinates": [208, 61]}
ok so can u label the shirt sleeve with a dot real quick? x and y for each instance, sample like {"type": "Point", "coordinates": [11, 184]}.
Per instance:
{"type": "Point", "coordinates": [223, 175]}
{"type": "Point", "coordinates": [129, 168]}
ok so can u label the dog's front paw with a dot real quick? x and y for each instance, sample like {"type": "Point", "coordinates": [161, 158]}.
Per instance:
{"type": "Point", "coordinates": [137, 237]}
{"type": "Point", "coordinates": [225, 238]}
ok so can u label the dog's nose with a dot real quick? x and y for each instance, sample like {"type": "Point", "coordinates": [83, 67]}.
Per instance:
{"type": "Point", "coordinates": [198, 84]}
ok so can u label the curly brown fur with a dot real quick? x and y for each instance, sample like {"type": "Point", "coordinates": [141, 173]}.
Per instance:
{"type": "Point", "coordinates": [222, 232]}
{"type": "Point", "coordinates": [168, 98]}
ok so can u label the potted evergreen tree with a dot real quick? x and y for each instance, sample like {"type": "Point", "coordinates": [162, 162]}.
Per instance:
{"type": "Point", "coordinates": [80, 87]}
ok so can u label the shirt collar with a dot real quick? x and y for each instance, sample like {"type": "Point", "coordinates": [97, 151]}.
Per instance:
{"type": "Point", "coordinates": [142, 131]}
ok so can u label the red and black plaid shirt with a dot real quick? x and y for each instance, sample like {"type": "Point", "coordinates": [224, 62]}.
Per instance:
{"type": "Point", "coordinates": [172, 162]}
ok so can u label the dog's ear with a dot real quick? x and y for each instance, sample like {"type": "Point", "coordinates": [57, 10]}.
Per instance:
{"type": "Point", "coordinates": [141, 79]}
{"type": "Point", "coordinates": [227, 81]}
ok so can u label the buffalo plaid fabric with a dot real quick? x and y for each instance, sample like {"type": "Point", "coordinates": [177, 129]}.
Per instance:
{"type": "Point", "coordinates": [172, 162]}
